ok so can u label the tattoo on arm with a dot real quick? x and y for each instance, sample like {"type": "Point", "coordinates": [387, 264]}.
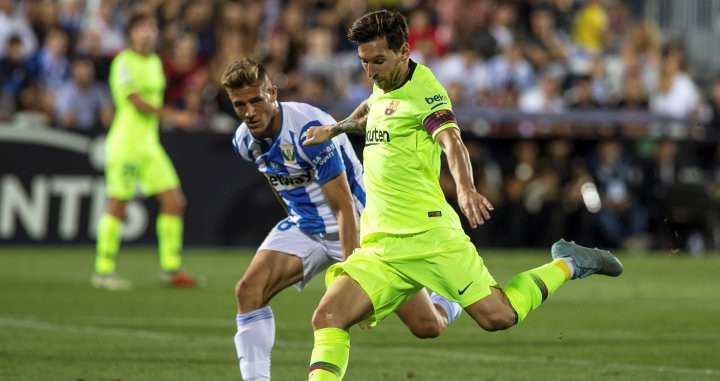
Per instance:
{"type": "Point", "coordinates": [350, 125]}
{"type": "Point", "coordinates": [355, 122]}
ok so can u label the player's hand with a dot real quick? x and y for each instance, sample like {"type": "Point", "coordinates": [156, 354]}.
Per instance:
{"type": "Point", "coordinates": [317, 135]}
{"type": "Point", "coordinates": [186, 119]}
{"type": "Point", "coordinates": [475, 207]}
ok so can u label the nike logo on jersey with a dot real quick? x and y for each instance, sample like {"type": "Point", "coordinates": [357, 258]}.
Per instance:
{"type": "Point", "coordinates": [466, 287]}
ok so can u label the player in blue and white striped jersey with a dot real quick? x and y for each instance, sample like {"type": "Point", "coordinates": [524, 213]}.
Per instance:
{"type": "Point", "coordinates": [299, 172]}
{"type": "Point", "coordinates": [322, 189]}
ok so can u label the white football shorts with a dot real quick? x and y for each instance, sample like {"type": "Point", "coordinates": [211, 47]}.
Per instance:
{"type": "Point", "coordinates": [317, 251]}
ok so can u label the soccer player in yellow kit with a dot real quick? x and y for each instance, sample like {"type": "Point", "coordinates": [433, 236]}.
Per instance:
{"type": "Point", "coordinates": [134, 156]}
{"type": "Point", "coordinates": [410, 237]}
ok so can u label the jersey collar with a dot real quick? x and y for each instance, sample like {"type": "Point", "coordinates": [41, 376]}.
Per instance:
{"type": "Point", "coordinates": [267, 144]}
{"type": "Point", "coordinates": [411, 69]}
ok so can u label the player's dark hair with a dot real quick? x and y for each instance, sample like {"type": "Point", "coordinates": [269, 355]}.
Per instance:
{"type": "Point", "coordinates": [244, 72]}
{"type": "Point", "coordinates": [135, 19]}
{"type": "Point", "coordinates": [385, 23]}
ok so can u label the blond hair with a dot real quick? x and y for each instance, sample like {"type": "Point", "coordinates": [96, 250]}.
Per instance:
{"type": "Point", "coordinates": [244, 72]}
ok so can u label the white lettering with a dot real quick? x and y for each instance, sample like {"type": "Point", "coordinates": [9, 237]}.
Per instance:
{"type": "Point", "coordinates": [70, 189]}
{"type": "Point", "coordinates": [31, 211]}
{"type": "Point", "coordinates": [98, 203]}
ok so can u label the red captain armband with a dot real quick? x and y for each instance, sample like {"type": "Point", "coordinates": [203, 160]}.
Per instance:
{"type": "Point", "coordinates": [438, 119]}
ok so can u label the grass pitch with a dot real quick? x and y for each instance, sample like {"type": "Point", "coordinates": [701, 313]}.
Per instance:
{"type": "Point", "coordinates": [659, 321]}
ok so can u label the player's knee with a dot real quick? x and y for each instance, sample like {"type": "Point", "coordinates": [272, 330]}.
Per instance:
{"type": "Point", "coordinates": [180, 202]}
{"type": "Point", "coordinates": [326, 317]}
{"type": "Point", "coordinates": [177, 203]}
{"type": "Point", "coordinates": [173, 202]}
{"type": "Point", "coordinates": [117, 208]}
{"type": "Point", "coordinates": [426, 329]}
{"type": "Point", "coordinates": [498, 321]}
{"type": "Point", "coordinates": [248, 295]}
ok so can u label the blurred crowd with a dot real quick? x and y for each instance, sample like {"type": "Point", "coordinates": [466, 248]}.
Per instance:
{"type": "Point", "coordinates": [532, 56]}
{"type": "Point", "coordinates": [545, 56]}
{"type": "Point", "coordinates": [652, 194]}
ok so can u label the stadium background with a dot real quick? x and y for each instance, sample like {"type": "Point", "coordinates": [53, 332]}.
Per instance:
{"type": "Point", "coordinates": [610, 139]}
{"type": "Point", "coordinates": [591, 120]}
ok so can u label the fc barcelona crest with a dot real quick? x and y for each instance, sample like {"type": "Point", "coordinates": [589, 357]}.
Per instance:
{"type": "Point", "coordinates": [288, 152]}
{"type": "Point", "coordinates": [392, 107]}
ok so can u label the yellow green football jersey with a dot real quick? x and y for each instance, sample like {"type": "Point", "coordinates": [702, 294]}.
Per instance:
{"type": "Point", "coordinates": [131, 72]}
{"type": "Point", "coordinates": [402, 159]}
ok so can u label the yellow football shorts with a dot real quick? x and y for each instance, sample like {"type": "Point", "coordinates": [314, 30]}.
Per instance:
{"type": "Point", "coordinates": [391, 269]}
{"type": "Point", "coordinates": [149, 168]}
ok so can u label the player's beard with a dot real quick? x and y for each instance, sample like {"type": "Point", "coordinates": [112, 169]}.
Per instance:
{"type": "Point", "coordinates": [392, 81]}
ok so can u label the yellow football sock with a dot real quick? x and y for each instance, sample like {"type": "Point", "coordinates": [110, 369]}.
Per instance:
{"type": "Point", "coordinates": [330, 355]}
{"type": "Point", "coordinates": [170, 236]}
{"type": "Point", "coordinates": [108, 244]}
{"type": "Point", "coordinates": [527, 290]}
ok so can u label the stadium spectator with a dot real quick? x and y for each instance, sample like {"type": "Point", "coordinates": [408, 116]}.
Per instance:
{"type": "Point", "coordinates": [677, 95]}
{"type": "Point", "coordinates": [545, 97]}
{"type": "Point", "coordinates": [466, 67]}
{"type": "Point", "coordinates": [53, 67]}
{"type": "Point", "coordinates": [44, 16]}
{"type": "Point", "coordinates": [81, 102]}
{"type": "Point", "coordinates": [715, 106]}
{"type": "Point", "coordinates": [544, 46]}
{"type": "Point", "coordinates": [197, 19]}
{"type": "Point", "coordinates": [183, 69]}
{"type": "Point", "coordinates": [519, 170]}
{"type": "Point", "coordinates": [621, 217]}
{"type": "Point", "coordinates": [13, 24]}
{"type": "Point", "coordinates": [422, 32]}
{"type": "Point", "coordinates": [72, 17]}
{"type": "Point", "coordinates": [510, 68]}
{"type": "Point", "coordinates": [17, 75]}
{"type": "Point", "coordinates": [474, 24]}
{"type": "Point", "coordinates": [646, 44]}
{"type": "Point", "coordinates": [660, 174]}
{"type": "Point", "coordinates": [590, 27]}
{"type": "Point", "coordinates": [90, 45]}
{"type": "Point", "coordinates": [634, 98]}
{"type": "Point", "coordinates": [581, 94]}
{"type": "Point", "coordinates": [103, 27]}
{"type": "Point", "coordinates": [318, 59]}
{"type": "Point", "coordinates": [579, 213]}
{"type": "Point", "coordinates": [503, 24]}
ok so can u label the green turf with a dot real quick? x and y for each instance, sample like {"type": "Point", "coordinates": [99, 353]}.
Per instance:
{"type": "Point", "coordinates": [659, 321]}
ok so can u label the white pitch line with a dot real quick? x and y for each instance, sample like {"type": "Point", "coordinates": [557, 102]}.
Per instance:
{"type": "Point", "coordinates": [474, 356]}
{"type": "Point", "coordinates": [89, 329]}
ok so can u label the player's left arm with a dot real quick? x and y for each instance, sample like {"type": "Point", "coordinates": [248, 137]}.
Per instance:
{"type": "Point", "coordinates": [337, 193]}
{"type": "Point", "coordinates": [474, 206]}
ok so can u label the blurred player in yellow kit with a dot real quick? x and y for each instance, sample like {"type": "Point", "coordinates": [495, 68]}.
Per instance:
{"type": "Point", "coordinates": [134, 157]}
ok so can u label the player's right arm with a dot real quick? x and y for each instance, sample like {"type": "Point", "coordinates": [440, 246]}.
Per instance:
{"type": "Point", "coordinates": [124, 84]}
{"type": "Point", "coordinates": [356, 122]}
{"type": "Point", "coordinates": [337, 193]}
{"type": "Point", "coordinates": [184, 119]}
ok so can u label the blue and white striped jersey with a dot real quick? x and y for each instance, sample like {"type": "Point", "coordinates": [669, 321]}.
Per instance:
{"type": "Point", "coordinates": [298, 172]}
